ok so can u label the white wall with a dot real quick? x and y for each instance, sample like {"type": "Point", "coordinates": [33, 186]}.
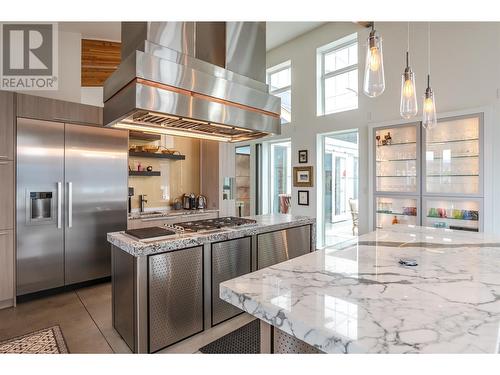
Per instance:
{"type": "Point", "coordinates": [69, 85]}
{"type": "Point", "coordinates": [465, 75]}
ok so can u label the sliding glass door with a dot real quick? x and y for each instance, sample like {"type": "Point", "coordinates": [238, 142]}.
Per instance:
{"type": "Point", "coordinates": [339, 219]}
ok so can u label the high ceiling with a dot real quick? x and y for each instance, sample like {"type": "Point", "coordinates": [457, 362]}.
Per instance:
{"type": "Point", "coordinates": [277, 32]}
{"type": "Point", "coordinates": [281, 32]}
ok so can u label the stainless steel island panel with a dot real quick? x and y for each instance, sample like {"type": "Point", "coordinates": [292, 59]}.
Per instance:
{"type": "Point", "coordinates": [175, 296]}
{"type": "Point", "coordinates": [230, 259]}
{"type": "Point", "coordinates": [278, 246]}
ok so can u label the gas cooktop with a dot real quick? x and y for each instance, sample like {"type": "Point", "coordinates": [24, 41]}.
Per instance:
{"type": "Point", "coordinates": [211, 224]}
{"type": "Point", "coordinates": [202, 226]}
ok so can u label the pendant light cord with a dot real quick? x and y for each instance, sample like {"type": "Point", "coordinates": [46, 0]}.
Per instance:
{"type": "Point", "coordinates": [408, 39]}
{"type": "Point", "coordinates": [429, 48]}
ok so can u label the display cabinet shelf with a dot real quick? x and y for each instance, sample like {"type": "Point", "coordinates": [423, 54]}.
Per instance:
{"type": "Point", "coordinates": [452, 141]}
{"type": "Point", "coordinates": [398, 144]}
{"type": "Point", "coordinates": [389, 160]}
{"type": "Point", "coordinates": [394, 213]}
{"type": "Point", "coordinates": [409, 176]}
{"type": "Point", "coordinates": [456, 157]}
{"type": "Point", "coordinates": [452, 175]}
{"type": "Point", "coordinates": [451, 218]}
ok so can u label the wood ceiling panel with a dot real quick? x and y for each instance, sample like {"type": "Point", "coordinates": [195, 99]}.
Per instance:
{"type": "Point", "coordinates": [100, 59]}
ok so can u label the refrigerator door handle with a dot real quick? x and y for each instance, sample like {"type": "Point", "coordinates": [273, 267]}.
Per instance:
{"type": "Point", "coordinates": [59, 205]}
{"type": "Point", "coordinates": [70, 204]}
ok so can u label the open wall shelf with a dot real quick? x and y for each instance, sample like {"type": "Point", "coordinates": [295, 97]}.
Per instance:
{"type": "Point", "coordinates": [159, 156]}
{"type": "Point", "coordinates": [144, 173]}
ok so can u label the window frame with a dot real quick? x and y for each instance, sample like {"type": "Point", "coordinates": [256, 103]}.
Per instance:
{"type": "Point", "coordinates": [276, 69]}
{"type": "Point", "coordinates": [337, 45]}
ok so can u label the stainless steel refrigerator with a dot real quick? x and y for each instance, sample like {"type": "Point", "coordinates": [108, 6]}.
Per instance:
{"type": "Point", "coordinates": [71, 191]}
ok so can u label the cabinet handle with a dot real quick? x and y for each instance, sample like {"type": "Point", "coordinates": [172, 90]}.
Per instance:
{"type": "Point", "coordinates": [3, 233]}
{"type": "Point", "coordinates": [70, 204]}
{"type": "Point", "coordinates": [4, 157]}
{"type": "Point", "coordinates": [4, 162]}
{"type": "Point", "coordinates": [59, 209]}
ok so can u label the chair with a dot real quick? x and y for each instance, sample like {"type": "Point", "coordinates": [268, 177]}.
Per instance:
{"type": "Point", "coordinates": [353, 204]}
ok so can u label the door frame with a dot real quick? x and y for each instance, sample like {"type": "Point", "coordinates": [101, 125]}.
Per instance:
{"type": "Point", "coordinates": [320, 175]}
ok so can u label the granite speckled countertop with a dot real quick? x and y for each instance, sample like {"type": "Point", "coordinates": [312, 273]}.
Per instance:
{"type": "Point", "coordinates": [265, 223]}
{"type": "Point", "coordinates": [357, 298]}
{"type": "Point", "coordinates": [167, 214]}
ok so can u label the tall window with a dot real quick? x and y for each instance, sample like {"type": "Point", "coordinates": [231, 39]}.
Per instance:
{"type": "Point", "coordinates": [279, 79]}
{"type": "Point", "coordinates": [281, 176]}
{"type": "Point", "coordinates": [338, 76]}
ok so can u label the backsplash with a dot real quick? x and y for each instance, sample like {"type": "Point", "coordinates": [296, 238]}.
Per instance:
{"type": "Point", "coordinates": [177, 176]}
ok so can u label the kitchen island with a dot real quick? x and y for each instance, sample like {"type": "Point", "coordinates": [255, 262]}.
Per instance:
{"type": "Point", "coordinates": [358, 298]}
{"type": "Point", "coordinates": [166, 289]}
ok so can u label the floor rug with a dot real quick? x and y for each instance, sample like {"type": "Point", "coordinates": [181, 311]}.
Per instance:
{"type": "Point", "coordinates": [245, 340]}
{"type": "Point", "coordinates": [45, 341]}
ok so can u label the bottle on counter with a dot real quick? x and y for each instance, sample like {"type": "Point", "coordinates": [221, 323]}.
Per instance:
{"type": "Point", "coordinates": [395, 220]}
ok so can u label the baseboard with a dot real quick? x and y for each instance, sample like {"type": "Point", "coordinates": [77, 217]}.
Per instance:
{"type": "Point", "coordinates": [6, 303]}
{"type": "Point", "coordinates": [62, 289]}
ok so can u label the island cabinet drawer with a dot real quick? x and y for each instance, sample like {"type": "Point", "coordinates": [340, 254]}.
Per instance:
{"type": "Point", "coordinates": [230, 259]}
{"type": "Point", "coordinates": [175, 296]}
{"type": "Point", "coordinates": [278, 246]}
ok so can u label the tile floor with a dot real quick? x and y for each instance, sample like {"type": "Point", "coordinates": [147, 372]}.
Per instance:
{"type": "Point", "coordinates": [84, 316]}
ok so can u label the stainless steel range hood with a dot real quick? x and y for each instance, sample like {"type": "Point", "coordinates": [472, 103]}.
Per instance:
{"type": "Point", "coordinates": [194, 79]}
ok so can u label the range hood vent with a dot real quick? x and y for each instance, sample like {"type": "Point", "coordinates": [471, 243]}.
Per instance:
{"type": "Point", "coordinates": [164, 86]}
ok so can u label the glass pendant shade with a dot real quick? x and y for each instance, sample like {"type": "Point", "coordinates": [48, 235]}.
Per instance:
{"type": "Point", "coordinates": [374, 81]}
{"type": "Point", "coordinates": [408, 106]}
{"type": "Point", "coordinates": [429, 118]}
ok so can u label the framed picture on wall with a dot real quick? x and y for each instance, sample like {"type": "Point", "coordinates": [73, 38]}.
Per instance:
{"type": "Point", "coordinates": [302, 156]}
{"type": "Point", "coordinates": [303, 197]}
{"type": "Point", "coordinates": [303, 176]}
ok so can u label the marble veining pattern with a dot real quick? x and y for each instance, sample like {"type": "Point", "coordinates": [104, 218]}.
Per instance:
{"type": "Point", "coordinates": [265, 223]}
{"type": "Point", "coordinates": [357, 298]}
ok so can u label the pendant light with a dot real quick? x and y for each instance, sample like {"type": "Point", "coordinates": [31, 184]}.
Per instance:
{"type": "Point", "coordinates": [374, 82]}
{"type": "Point", "coordinates": [408, 106]}
{"type": "Point", "coordinates": [429, 119]}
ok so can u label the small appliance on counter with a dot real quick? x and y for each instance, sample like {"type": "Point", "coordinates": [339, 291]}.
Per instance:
{"type": "Point", "coordinates": [177, 205]}
{"type": "Point", "coordinates": [201, 202]}
{"type": "Point", "coordinates": [189, 201]}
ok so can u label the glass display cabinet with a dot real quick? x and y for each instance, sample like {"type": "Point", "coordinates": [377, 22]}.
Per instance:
{"type": "Point", "coordinates": [396, 210]}
{"type": "Point", "coordinates": [453, 159]}
{"type": "Point", "coordinates": [457, 213]}
{"type": "Point", "coordinates": [397, 159]}
{"type": "Point", "coordinates": [397, 181]}
{"type": "Point", "coordinates": [440, 168]}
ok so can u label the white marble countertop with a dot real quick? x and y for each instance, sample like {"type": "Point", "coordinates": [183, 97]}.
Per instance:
{"type": "Point", "coordinates": [265, 223]}
{"type": "Point", "coordinates": [359, 299]}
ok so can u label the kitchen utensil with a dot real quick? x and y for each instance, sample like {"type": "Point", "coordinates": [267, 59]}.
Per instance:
{"type": "Point", "coordinates": [457, 214]}
{"type": "Point", "coordinates": [441, 212]}
{"type": "Point", "coordinates": [433, 212]}
{"type": "Point", "coordinates": [151, 149]}
{"type": "Point", "coordinates": [201, 202]}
